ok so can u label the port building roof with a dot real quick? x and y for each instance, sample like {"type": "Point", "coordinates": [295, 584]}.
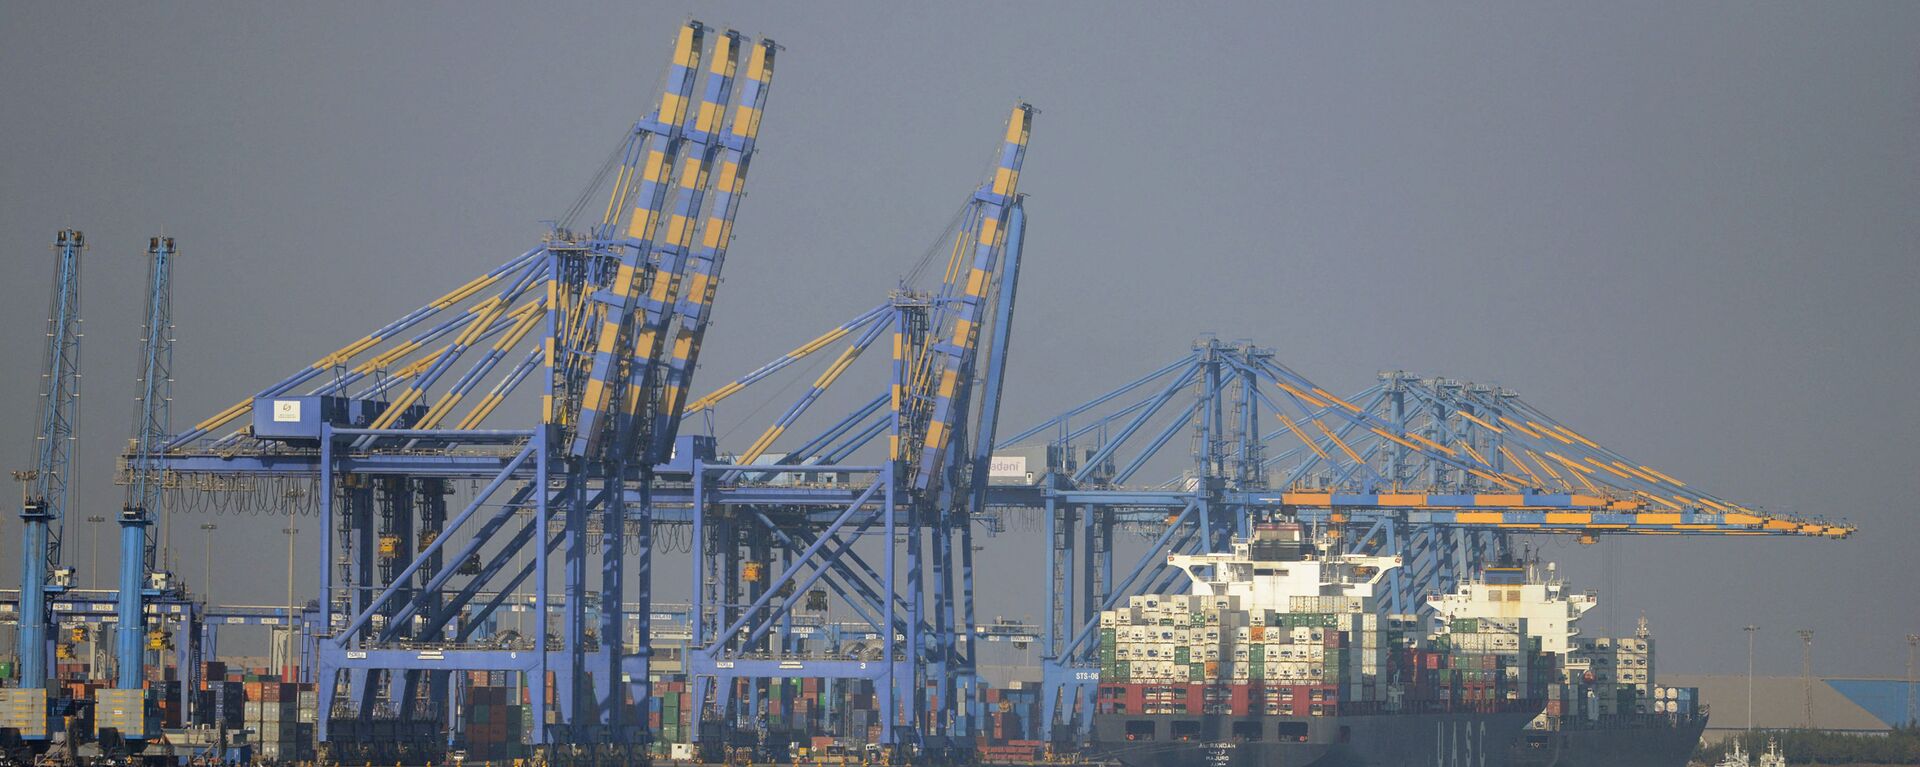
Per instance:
{"type": "Point", "coordinates": [1780, 703]}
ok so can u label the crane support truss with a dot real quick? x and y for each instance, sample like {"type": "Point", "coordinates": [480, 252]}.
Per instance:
{"type": "Point", "coordinates": [583, 346]}
{"type": "Point", "coordinates": [1439, 472]}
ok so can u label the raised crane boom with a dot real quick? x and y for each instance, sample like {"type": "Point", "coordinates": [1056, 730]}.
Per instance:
{"type": "Point", "coordinates": [47, 490]}
{"type": "Point", "coordinates": [139, 556]}
{"type": "Point", "coordinates": [703, 269]}
{"type": "Point", "coordinates": [968, 282]}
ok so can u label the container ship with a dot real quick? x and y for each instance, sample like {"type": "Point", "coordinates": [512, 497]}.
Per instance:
{"type": "Point", "coordinates": [1604, 709]}
{"type": "Point", "coordinates": [1280, 658]}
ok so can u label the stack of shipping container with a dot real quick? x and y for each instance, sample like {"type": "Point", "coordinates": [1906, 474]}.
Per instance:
{"type": "Point", "coordinates": [667, 716]}
{"type": "Point", "coordinates": [496, 720]}
{"type": "Point", "coordinates": [1678, 701]}
{"type": "Point", "coordinates": [1605, 679]}
{"type": "Point", "coordinates": [273, 714]}
{"type": "Point", "coordinates": [1198, 655]}
{"type": "Point", "coordinates": [276, 717]}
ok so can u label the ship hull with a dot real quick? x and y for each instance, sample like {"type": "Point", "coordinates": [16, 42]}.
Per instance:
{"type": "Point", "coordinates": [1654, 743]}
{"type": "Point", "coordinates": [1372, 740]}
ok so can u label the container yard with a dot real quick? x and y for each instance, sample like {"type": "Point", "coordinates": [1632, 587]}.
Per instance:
{"type": "Point", "coordinates": [522, 539]}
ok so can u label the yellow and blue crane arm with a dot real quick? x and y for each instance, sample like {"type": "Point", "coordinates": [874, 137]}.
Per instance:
{"type": "Point", "coordinates": [660, 140]}
{"type": "Point", "coordinates": [1595, 467]}
{"type": "Point", "coordinates": [1560, 513]}
{"type": "Point", "coordinates": [501, 389]}
{"type": "Point", "coordinates": [483, 317]}
{"type": "Point", "coordinates": [671, 249]}
{"type": "Point", "coordinates": [955, 353]}
{"type": "Point", "coordinates": [346, 354]}
{"type": "Point", "coordinates": [524, 319]}
{"type": "Point", "coordinates": [388, 358]}
{"type": "Point", "coordinates": [1602, 491]}
{"type": "Point", "coordinates": [703, 268]}
{"type": "Point", "coordinates": [820, 385]}
{"type": "Point", "coordinates": [1468, 461]}
{"type": "Point", "coordinates": [800, 352]}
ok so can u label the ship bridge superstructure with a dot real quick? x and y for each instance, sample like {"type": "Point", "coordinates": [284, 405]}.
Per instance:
{"type": "Point", "coordinates": [1524, 591]}
{"type": "Point", "coordinates": [1272, 569]}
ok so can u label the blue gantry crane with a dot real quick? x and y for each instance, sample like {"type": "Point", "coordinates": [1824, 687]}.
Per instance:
{"type": "Point", "coordinates": [29, 707]}
{"type": "Point", "coordinates": [584, 347]}
{"type": "Point", "coordinates": [817, 504]}
{"type": "Point", "coordinates": [1441, 473]}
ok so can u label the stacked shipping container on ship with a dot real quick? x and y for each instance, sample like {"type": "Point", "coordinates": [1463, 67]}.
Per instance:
{"type": "Point", "coordinates": [1603, 708]}
{"type": "Point", "coordinates": [1280, 657]}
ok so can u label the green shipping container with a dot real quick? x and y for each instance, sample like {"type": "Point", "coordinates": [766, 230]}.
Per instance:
{"type": "Point", "coordinates": [1182, 655]}
{"type": "Point", "coordinates": [6, 669]}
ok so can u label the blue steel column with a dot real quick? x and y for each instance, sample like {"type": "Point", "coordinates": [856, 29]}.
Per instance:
{"type": "Point", "coordinates": [608, 690]}
{"type": "Point", "coordinates": [130, 635]}
{"type": "Point", "coordinates": [537, 686]}
{"type": "Point", "coordinates": [697, 616]}
{"type": "Point", "coordinates": [641, 667]}
{"type": "Point", "coordinates": [324, 677]}
{"type": "Point", "coordinates": [889, 692]}
{"type": "Point", "coordinates": [574, 568]}
{"type": "Point", "coordinates": [916, 615]}
{"type": "Point", "coordinates": [1211, 417]}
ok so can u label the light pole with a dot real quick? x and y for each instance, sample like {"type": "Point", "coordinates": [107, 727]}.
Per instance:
{"type": "Point", "coordinates": [1806, 672]}
{"type": "Point", "coordinates": [292, 642]}
{"type": "Point", "coordinates": [1750, 629]}
{"type": "Point", "coordinates": [93, 577]}
{"type": "Point", "coordinates": [206, 577]}
{"type": "Point", "coordinates": [1913, 703]}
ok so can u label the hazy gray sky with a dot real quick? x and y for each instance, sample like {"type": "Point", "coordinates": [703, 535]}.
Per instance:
{"type": "Point", "coordinates": [1686, 229]}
